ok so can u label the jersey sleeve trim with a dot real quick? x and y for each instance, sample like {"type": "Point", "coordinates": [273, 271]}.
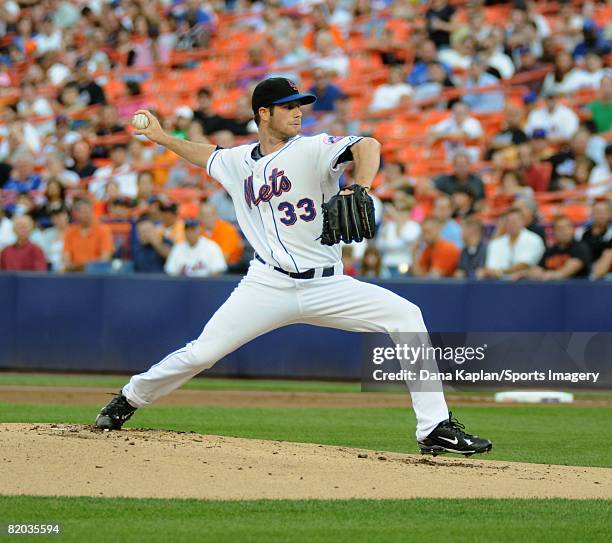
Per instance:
{"type": "Point", "coordinates": [210, 162]}
{"type": "Point", "coordinates": [334, 165]}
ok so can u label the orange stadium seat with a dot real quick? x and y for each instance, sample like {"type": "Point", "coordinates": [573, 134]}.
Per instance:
{"type": "Point", "coordinates": [491, 122]}
{"type": "Point", "coordinates": [549, 211]}
{"type": "Point", "coordinates": [603, 14]}
{"type": "Point", "coordinates": [224, 102]}
{"type": "Point", "coordinates": [419, 168]}
{"type": "Point", "coordinates": [497, 15]}
{"type": "Point", "coordinates": [398, 129]}
{"type": "Point", "coordinates": [189, 209]}
{"type": "Point", "coordinates": [578, 212]}
{"type": "Point", "coordinates": [183, 194]}
{"type": "Point", "coordinates": [356, 42]}
{"type": "Point", "coordinates": [582, 97]}
{"type": "Point", "coordinates": [514, 95]}
{"type": "Point", "coordinates": [409, 154]}
{"type": "Point", "coordinates": [114, 88]}
{"type": "Point", "coordinates": [434, 116]}
{"type": "Point", "coordinates": [401, 29]}
{"type": "Point", "coordinates": [364, 62]}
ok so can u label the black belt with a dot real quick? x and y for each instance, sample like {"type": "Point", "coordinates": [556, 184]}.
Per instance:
{"type": "Point", "coordinates": [308, 274]}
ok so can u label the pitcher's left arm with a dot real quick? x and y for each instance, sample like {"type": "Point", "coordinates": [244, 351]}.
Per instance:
{"type": "Point", "coordinates": [366, 158]}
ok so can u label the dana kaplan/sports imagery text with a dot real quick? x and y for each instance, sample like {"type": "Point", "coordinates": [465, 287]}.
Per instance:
{"type": "Point", "coordinates": [504, 376]}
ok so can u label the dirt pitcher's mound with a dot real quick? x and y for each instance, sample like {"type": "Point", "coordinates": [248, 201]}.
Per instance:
{"type": "Point", "coordinates": [76, 460]}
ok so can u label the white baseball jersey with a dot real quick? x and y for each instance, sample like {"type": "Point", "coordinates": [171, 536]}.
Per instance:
{"type": "Point", "coordinates": [278, 201]}
{"type": "Point", "coordinates": [278, 197]}
{"type": "Point", "coordinates": [203, 259]}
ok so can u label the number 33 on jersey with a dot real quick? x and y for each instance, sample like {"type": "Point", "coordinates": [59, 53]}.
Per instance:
{"type": "Point", "coordinates": [278, 197]}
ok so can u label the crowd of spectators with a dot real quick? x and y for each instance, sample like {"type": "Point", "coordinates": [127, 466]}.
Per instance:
{"type": "Point", "coordinates": [518, 249]}
{"type": "Point", "coordinates": [495, 119]}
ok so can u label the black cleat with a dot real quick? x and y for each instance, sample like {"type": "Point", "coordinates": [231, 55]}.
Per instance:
{"type": "Point", "coordinates": [449, 437]}
{"type": "Point", "coordinates": [115, 413]}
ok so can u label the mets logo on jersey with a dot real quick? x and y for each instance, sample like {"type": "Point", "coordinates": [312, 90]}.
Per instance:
{"type": "Point", "coordinates": [279, 183]}
{"type": "Point", "coordinates": [330, 140]}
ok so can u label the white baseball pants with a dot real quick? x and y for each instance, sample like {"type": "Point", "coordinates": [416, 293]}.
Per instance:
{"type": "Point", "coordinates": [265, 300]}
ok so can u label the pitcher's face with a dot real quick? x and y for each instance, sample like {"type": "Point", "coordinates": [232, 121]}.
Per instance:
{"type": "Point", "coordinates": [286, 120]}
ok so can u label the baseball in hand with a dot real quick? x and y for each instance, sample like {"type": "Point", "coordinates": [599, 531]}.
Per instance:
{"type": "Point", "coordinates": [140, 121]}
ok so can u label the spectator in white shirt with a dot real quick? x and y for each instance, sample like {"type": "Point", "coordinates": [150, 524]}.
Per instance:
{"type": "Point", "coordinates": [340, 15]}
{"type": "Point", "coordinates": [51, 240]}
{"type": "Point", "coordinates": [16, 135]}
{"type": "Point", "coordinates": [398, 235]}
{"type": "Point", "coordinates": [50, 37]}
{"type": "Point", "coordinates": [120, 171]}
{"type": "Point", "coordinates": [568, 26]}
{"type": "Point", "coordinates": [197, 256]}
{"type": "Point", "coordinates": [562, 67]}
{"type": "Point", "coordinates": [600, 174]}
{"type": "Point", "coordinates": [62, 138]}
{"type": "Point", "coordinates": [329, 57]}
{"type": "Point", "coordinates": [559, 121]}
{"type": "Point", "coordinates": [496, 58]}
{"type": "Point", "coordinates": [58, 73]}
{"type": "Point", "coordinates": [457, 128]}
{"type": "Point", "coordinates": [540, 22]}
{"type": "Point", "coordinates": [459, 56]}
{"type": "Point", "coordinates": [515, 250]}
{"type": "Point", "coordinates": [389, 95]}
{"type": "Point", "coordinates": [55, 168]}
{"type": "Point", "coordinates": [32, 105]}
{"type": "Point", "coordinates": [588, 77]}
{"type": "Point", "coordinates": [9, 15]}
{"type": "Point", "coordinates": [7, 234]}
{"type": "Point", "coordinates": [458, 125]}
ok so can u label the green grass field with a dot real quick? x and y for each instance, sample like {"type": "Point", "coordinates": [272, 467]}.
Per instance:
{"type": "Point", "coordinates": [540, 434]}
{"type": "Point", "coordinates": [118, 520]}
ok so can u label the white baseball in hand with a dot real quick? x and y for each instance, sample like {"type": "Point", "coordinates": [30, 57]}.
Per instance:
{"type": "Point", "coordinates": [140, 121]}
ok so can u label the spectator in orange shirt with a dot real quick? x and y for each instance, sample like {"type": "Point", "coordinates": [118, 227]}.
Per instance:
{"type": "Point", "coordinates": [163, 160]}
{"type": "Point", "coordinates": [86, 240]}
{"type": "Point", "coordinates": [222, 232]}
{"type": "Point", "coordinates": [439, 258]}
{"type": "Point", "coordinates": [23, 255]}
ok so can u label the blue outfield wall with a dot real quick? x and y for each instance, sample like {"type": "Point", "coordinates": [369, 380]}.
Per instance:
{"type": "Point", "coordinates": [127, 323]}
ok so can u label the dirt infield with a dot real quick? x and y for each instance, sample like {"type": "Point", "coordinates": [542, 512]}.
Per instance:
{"type": "Point", "coordinates": [77, 460]}
{"type": "Point", "coordinates": [223, 398]}
{"type": "Point", "coordinates": [72, 395]}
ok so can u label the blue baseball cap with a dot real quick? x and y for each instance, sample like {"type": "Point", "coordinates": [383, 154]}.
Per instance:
{"type": "Point", "coordinates": [192, 223]}
{"type": "Point", "coordinates": [278, 90]}
{"type": "Point", "coordinates": [589, 25]}
{"type": "Point", "coordinates": [530, 97]}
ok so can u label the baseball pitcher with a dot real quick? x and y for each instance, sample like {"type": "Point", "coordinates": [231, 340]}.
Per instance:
{"type": "Point", "coordinates": [286, 193]}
